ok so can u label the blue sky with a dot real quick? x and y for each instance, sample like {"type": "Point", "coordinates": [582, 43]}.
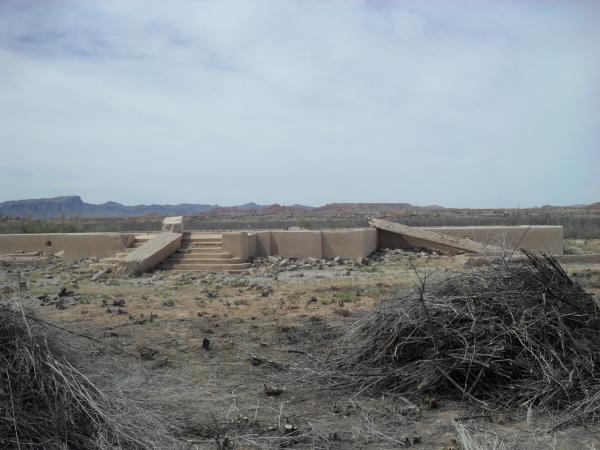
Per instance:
{"type": "Point", "coordinates": [462, 103]}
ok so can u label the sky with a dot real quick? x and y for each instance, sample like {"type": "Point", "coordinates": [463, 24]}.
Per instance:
{"type": "Point", "coordinates": [469, 103]}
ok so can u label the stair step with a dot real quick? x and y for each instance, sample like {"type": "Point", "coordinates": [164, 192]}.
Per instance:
{"type": "Point", "coordinates": [208, 267]}
{"type": "Point", "coordinates": [203, 251]}
{"type": "Point", "coordinates": [195, 255]}
{"type": "Point", "coordinates": [202, 245]}
{"type": "Point", "coordinates": [122, 254]}
{"type": "Point", "coordinates": [186, 261]}
{"type": "Point", "coordinates": [211, 237]}
{"type": "Point", "coordinates": [202, 236]}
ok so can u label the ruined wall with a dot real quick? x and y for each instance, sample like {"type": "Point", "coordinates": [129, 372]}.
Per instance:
{"type": "Point", "coordinates": [74, 245]}
{"type": "Point", "coordinates": [349, 243]}
{"type": "Point", "coordinates": [548, 239]}
{"type": "Point", "coordinates": [543, 238]}
{"type": "Point", "coordinates": [237, 244]}
{"type": "Point", "coordinates": [299, 244]}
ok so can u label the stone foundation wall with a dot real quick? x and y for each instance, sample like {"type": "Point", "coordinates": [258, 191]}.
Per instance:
{"type": "Point", "coordinates": [74, 245]}
{"type": "Point", "coordinates": [347, 243]}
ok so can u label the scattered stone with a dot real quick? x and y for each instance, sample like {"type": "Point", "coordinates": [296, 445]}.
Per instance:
{"type": "Point", "coordinates": [163, 362]}
{"type": "Point", "coordinates": [6, 290]}
{"type": "Point", "coordinates": [119, 302]}
{"type": "Point", "coordinates": [311, 301]}
{"type": "Point", "coordinates": [64, 292]}
{"type": "Point", "coordinates": [289, 428]}
{"type": "Point", "coordinates": [147, 353]}
{"type": "Point", "coordinates": [101, 274]}
{"type": "Point", "coordinates": [169, 303]}
{"type": "Point", "coordinates": [60, 304]}
{"type": "Point", "coordinates": [273, 391]}
{"type": "Point", "coordinates": [267, 291]}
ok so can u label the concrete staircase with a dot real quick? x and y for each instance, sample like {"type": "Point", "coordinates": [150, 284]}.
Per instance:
{"type": "Point", "coordinates": [113, 261]}
{"type": "Point", "coordinates": [203, 252]}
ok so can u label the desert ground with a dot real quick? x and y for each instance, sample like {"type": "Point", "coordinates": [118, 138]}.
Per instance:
{"type": "Point", "coordinates": [233, 360]}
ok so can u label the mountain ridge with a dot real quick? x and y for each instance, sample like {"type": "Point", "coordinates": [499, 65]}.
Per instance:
{"type": "Point", "coordinates": [74, 206]}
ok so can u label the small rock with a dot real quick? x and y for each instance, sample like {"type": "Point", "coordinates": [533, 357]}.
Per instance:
{"type": "Point", "coordinates": [147, 353]}
{"type": "Point", "coordinates": [6, 290]}
{"type": "Point", "coordinates": [311, 301]}
{"type": "Point", "coordinates": [99, 275]}
{"type": "Point", "coordinates": [273, 391]}
{"type": "Point", "coordinates": [64, 292]}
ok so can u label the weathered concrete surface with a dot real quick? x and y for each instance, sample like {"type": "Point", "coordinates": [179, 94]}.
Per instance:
{"type": "Point", "coordinates": [74, 245]}
{"type": "Point", "coordinates": [173, 224]}
{"type": "Point", "coordinates": [152, 252]}
{"type": "Point", "coordinates": [264, 244]}
{"type": "Point", "coordinates": [299, 244]}
{"type": "Point", "coordinates": [236, 243]}
{"type": "Point", "coordinates": [419, 237]}
{"type": "Point", "coordinates": [251, 244]}
{"type": "Point", "coordinates": [349, 243]}
{"type": "Point", "coordinates": [543, 238]}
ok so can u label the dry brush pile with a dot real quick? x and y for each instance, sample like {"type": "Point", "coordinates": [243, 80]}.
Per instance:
{"type": "Point", "coordinates": [507, 335]}
{"type": "Point", "coordinates": [45, 402]}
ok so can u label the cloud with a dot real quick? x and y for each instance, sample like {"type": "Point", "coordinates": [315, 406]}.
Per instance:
{"type": "Point", "coordinates": [469, 104]}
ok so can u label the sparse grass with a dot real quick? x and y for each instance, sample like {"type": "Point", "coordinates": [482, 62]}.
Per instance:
{"type": "Point", "coordinates": [345, 297]}
{"type": "Point", "coordinates": [217, 395]}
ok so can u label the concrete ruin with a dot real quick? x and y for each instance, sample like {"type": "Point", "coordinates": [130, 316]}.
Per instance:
{"type": "Point", "coordinates": [180, 250]}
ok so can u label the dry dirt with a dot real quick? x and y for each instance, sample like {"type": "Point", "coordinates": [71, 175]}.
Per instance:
{"type": "Point", "coordinates": [228, 358]}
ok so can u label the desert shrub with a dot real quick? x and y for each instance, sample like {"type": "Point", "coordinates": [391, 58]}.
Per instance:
{"type": "Point", "coordinates": [509, 335]}
{"type": "Point", "coordinates": [46, 402]}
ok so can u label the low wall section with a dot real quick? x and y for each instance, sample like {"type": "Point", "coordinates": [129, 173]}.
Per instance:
{"type": "Point", "coordinates": [543, 238]}
{"type": "Point", "coordinates": [548, 239]}
{"type": "Point", "coordinates": [350, 243]}
{"type": "Point", "coordinates": [74, 245]}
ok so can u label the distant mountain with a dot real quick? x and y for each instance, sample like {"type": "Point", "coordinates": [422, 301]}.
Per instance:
{"type": "Point", "coordinates": [72, 206]}
{"type": "Point", "coordinates": [354, 208]}
{"type": "Point", "coordinates": [274, 209]}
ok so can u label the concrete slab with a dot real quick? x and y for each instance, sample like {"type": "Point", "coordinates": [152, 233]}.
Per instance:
{"type": "Point", "coordinates": [299, 244]}
{"type": "Point", "coordinates": [542, 238]}
{"type": "Point", "coordinates": [434, 240]}
{"type": "Point", "coordinates": [237, 244]}
{"type": "Point", "coordinates": [349, 243]}
{"type": "Point", "coordinates": [152, 252]}
{"type": "Point", "coordinates": [264, 243]}
{"type": "Point", "coordinates": [74, 245]}
{"type": "Point", "coordinates": [173, 224]}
